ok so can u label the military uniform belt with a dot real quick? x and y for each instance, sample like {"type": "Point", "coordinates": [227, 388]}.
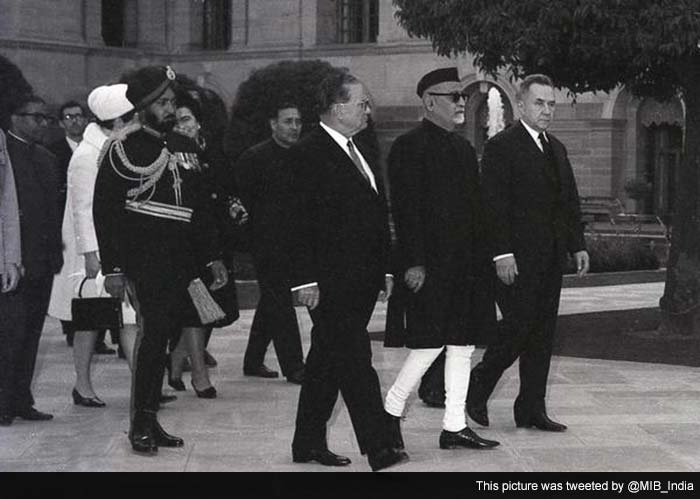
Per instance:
{"type": "Point", "coordinates": [160, 210]}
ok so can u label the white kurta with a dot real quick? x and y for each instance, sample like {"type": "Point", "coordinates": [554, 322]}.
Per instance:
{"type": "Point", "coordinates": [78, 231]}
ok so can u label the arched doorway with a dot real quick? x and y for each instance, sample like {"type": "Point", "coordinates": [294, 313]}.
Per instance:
{"type": "Point", "coordinates": [659, 146]}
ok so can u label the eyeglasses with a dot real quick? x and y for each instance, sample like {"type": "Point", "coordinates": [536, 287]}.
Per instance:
{"type": "Point", "coordinates": [455, 96]}
{"type": "Point", "coordinates": [38, 117]}
{"type": "Point", "coordinates": [364, 104]}
{"type": "Point", "coordinates": [73, 117]}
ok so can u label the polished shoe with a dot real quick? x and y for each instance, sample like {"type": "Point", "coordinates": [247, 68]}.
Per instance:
{"type": "Point", "coordinates": [86, 401]}
{"type": "Point", "coordinates": [476, 402]}
{"type": "Point", "coordinates": [207, 393]}
{"type": "Point", "coordinates": [433, 399]}
{"type": "Point", "coordinates": [34, 415]}
{"type": "Point", "coordinates": [209, 360]}
{"type": "Point", "coordinates": [175, 383]}
{"type": "Point", "coordinates": [464, 438]}
{"type": "Point", "coordinates": [6, 419]}
{"type": "Point", "coordinates": [297, 377]}
{"type": "Point", "coordinates": [395, 431]}
{"type": "Point", "coordinates": [103, 349]}
{"type": "Point", "coordinates": [163, 438]}
{"type": "Point", "coordinates": [478, 412]}
{"type": "Point", "coordinates": [164, 399]}
{"type": "Point", "coordinates": [261, 372]}
{"type": "Point", "coordinates": [324, 457]}
{"type": "Point", "coordinates": [141, 434]}
{"type": "Point", "coordinates": [385, 458]}
{"type": "Point", "coordinates": [540, 421]}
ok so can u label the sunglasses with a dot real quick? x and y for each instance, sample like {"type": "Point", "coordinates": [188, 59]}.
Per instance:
{"type": "Point", "coordinates": [73, 117]}
{"type": "Point", "coordinates": [454, 96]}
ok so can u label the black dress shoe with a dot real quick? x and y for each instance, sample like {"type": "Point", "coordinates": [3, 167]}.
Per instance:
{"type": "Point", "coordinates": [476, 402]}
{"type": "Point", "coordinates": [34, 415]}
{"type": "Point", "coordinates": [464, 438]}
{"type": "Point", "coordinates": [478, 412]}
{"type": "Point", "coordinates": [209, 360]}
{"type": "Point", "coordinates": [6, 419]}
{"type": "Point", "coordinates": [540, 421]}
{"type": "Point", "coordinates": [385, 458]}
{"type": "Point", "coordinates": [163, 438]}
{"type": "Point", "coordinates": [324, 457]}
{"type": "Point", "coordinates": [395, 432]}
{"type": "Point", "coordinates": [103, 349]}
{"type": "Point", "coordinates": [207, 393]}
{"type": "Point", "coordinates": [141, 434]}
{"type": "Point", "coordinates": [297, 377]}
{"type": "Point", "coordinates": [433, 399]}
{"type": "Point", "coordinates": [86, 401]}
{"type": "Point", "coordinates": [261, 372]}
{"type": "Point", "coordinates": [164, 399]}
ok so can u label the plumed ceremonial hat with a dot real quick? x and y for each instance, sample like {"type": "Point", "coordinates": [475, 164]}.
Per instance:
{"type": "Point", "coordinates": [436, 76]}
{"type": "Point", "coordinates": [109, 102]}
{"type": "Point", "coordinates": [147, 84]}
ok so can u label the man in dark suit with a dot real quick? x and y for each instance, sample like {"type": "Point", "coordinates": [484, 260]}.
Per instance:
{"type": "Point", "coordinates": [338, 262]}
{"type": "Point", "coordinates": [264, 180]}
{"type": "Point", "coordinates": [435, 200]}
{"type": "Point", "coordinates": [35, 172]}
{"type": "Point", "coordinates": [533, 216]}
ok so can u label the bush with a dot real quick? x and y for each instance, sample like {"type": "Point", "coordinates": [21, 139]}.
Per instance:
{"type": "Point", "coordinates": [618, 254]}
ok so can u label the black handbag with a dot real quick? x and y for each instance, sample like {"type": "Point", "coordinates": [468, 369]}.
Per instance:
{"type": "Point", "coordinates": [95, 313]}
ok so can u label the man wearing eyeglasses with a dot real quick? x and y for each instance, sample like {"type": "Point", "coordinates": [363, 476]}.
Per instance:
{"type": "Point", "coordinates": [435, 200]}
{"type": "Point", "coordinates": [338, 259]}
{"type": "Point", "coordinates": [35, 169]}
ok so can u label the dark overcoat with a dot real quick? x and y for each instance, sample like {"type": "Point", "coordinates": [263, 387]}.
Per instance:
{"type": "Point", "coordinates": [436, 208]}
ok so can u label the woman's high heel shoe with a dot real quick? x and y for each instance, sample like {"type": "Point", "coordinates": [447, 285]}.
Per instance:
{"type": "Point", "coordinates": [207, 393]}
{"type": "Point", "coordinates": [86, 401]}
{"type": "Point", "coordinates": [175, 383]}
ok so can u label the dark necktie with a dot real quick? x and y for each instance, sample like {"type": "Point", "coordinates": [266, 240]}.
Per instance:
{"type": "Point", "coordinates": [549, 156]}
{"type": "Point", "coordinates": [358, 162]}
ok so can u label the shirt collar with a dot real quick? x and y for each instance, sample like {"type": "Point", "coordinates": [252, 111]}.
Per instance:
{"type": "Point", "coordinates": [341, 139]}
{"type": "Point", "coordinates": [534, 134]}
{"type": "Point", "coordinates": [9, 132]}
{"type": "Point", "coordinates": [72, 143]}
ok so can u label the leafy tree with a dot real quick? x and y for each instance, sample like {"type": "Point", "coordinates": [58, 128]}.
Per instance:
{"type": "Point", "coordinates": [649, 46]}
{"type": "Point", "coordinates": [14, 90]}
{"type": "Point", "coordinates": [265, 89]}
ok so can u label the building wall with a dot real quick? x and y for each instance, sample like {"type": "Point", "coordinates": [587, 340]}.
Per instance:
{"type": "Point", "coordinates": [59, 47]}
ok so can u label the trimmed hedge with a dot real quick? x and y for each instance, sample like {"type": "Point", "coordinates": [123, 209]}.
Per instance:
{"type": "Point", "coordinates": [618, 254]}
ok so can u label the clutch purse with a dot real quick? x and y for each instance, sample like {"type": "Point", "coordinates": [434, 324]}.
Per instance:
{"type": "Point", "coordinates": [217, 308]}
{"type": "Point", "coordinates": [95, 313]}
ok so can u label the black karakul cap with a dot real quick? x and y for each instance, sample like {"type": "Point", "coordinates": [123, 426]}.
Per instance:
{"type": "Point", "coordinates": [436, 76]}
{"type": "Point", "coordinates": [147, 84]}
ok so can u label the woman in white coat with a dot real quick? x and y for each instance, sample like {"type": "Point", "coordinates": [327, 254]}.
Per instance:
{"type": "Point", "coordinates": [81, 257]}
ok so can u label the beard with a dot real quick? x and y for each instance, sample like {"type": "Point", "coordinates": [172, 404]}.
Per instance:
{"type": "Point", "coordinates": [163, 125]}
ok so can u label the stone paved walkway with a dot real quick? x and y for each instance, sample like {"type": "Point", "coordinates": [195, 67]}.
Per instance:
{"type": "Point", "coordinates": [622, 416]}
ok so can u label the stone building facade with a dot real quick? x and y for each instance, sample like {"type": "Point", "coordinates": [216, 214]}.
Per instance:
{"type": "Point", "coordinates": [66, 47]}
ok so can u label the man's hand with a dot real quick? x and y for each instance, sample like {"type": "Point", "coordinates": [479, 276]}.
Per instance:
{"type": "Point", "coordinates": [507, 269]}
{"type": "Point", "coordinates": [10, 278]}
{"type": "Point", "coordinates": [309, 296]}
{"type": "Point", "coordinates": [115, 285]}
{"type": "Point", "coordinates": [583, 262]}
{"type": "Point", "coordinates": [415, 278]}
{"type": "Point", "coordinates": [385, 294]}
{"type": "Point", "coordinates": [92, 264]}
{"type": "Point", "coordinates": [220, 274]}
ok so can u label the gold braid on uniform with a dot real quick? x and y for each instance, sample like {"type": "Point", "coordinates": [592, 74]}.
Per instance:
{"type": "Point", "coordinates": [148, 175]}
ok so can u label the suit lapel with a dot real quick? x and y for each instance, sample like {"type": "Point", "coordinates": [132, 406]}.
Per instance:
{"type": "Point", "coordinates": [340, 158]}
{"type": "Point", "coordinates": [534, 151]}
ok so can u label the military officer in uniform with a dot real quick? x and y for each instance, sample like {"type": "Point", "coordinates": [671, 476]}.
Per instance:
{"type": "Point", "coordinates": [156, 232]}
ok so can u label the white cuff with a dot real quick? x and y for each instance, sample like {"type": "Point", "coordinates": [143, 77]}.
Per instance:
{"type": "Point", "coordinates": [500, 257]}
{"type": "Point", "coordinates": [297, 288]}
